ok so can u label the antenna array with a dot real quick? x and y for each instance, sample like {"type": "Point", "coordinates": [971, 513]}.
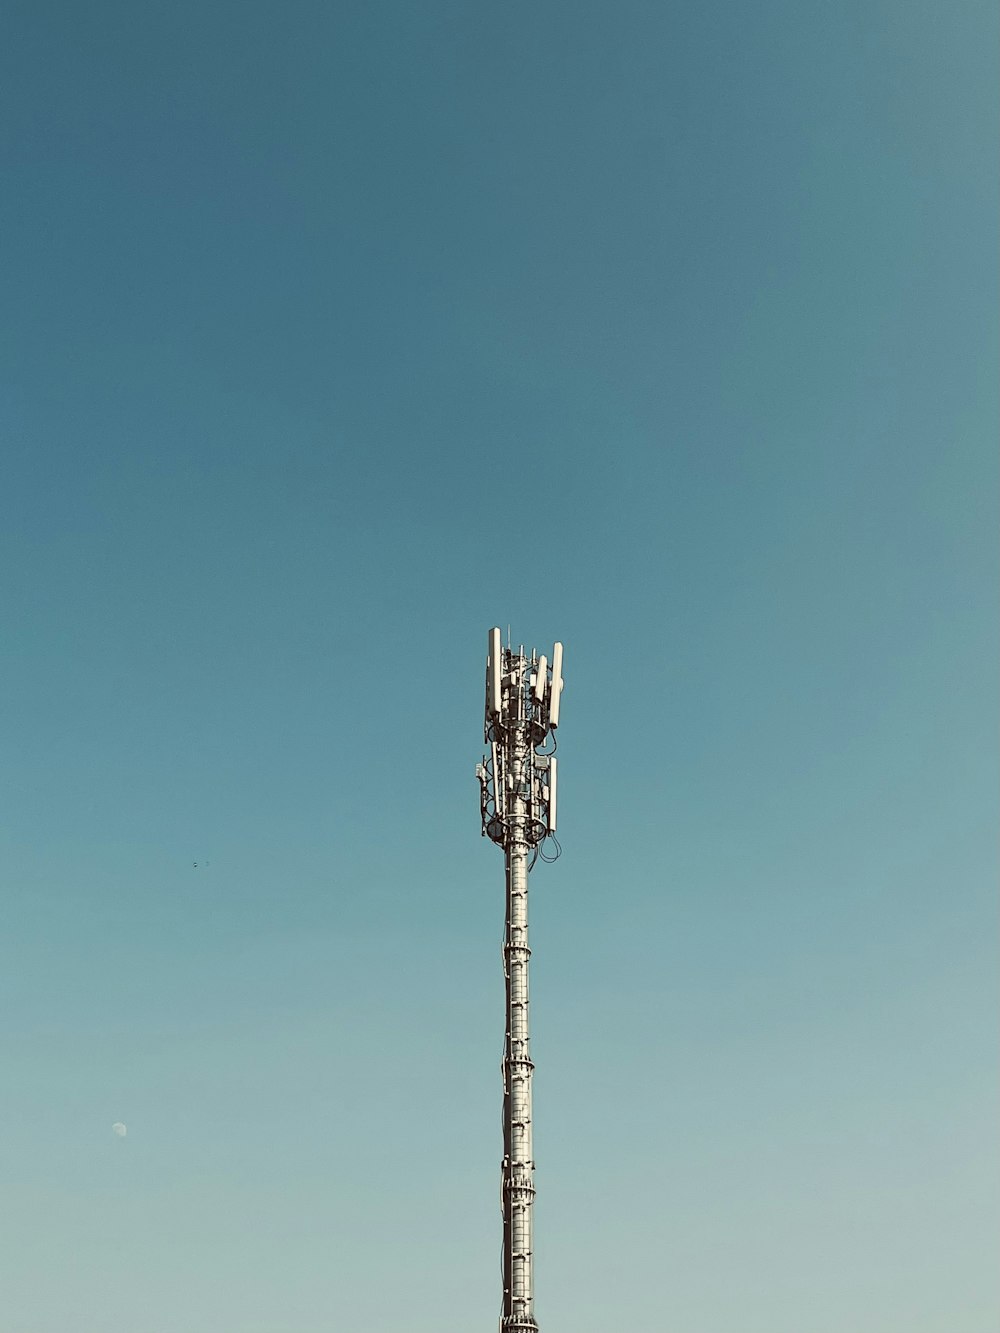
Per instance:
{"type": "Point", "coordinates": [518, 782]}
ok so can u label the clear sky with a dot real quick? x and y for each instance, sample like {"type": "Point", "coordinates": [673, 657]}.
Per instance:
{"type": "Point", "coordinates": [335, 333]}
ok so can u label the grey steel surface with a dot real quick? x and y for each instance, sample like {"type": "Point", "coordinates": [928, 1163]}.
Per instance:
{"type": "Point", "coordinates": [517, 791]}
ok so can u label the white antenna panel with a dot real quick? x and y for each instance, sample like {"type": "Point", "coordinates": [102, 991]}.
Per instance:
{"type": "Point", "coordinates": [553, 776]}
{"type": "Point", "coordinates": [498, 791]}
{"type": "Point", "coordinates": [557, 684]}
{"type": "Point", "coordinates": [493, 673]}
{"type": "Point", "coordinates": [540, 678]}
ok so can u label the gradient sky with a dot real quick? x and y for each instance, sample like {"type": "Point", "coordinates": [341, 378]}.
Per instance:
{"type": "Point", "coordinates": [333, 334]}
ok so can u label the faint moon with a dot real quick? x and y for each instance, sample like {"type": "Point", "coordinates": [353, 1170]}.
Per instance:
{"type": "Point", "coordinates": [119, 1129]}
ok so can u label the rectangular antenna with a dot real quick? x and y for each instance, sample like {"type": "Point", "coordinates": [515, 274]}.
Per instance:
{"type": "Point", "coordinates": [493, 674]}
{"type": "Point", "coordinates": [540, 678]}
{"type": "Point", "coordinates": [499, 795]}
{"type": "Point", "coordinates": [557, 684]}
{"type": "Point", "coordinates": [553, 778]}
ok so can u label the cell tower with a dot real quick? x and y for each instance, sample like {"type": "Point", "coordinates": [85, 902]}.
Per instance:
{"type": "Point", "coordinates": [517, 782]}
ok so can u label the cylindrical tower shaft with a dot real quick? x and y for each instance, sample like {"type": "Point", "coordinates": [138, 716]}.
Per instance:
{"type": "Point", "coordinates": [518, 1162]}
{"type": "Point", "coordinates": [517, 782]}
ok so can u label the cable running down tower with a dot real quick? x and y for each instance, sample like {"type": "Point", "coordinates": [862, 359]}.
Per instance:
{"type": "Point", "coordinates": [518, 784]}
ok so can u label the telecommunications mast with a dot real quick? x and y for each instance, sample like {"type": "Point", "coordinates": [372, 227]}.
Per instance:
{"type": "Point", "coordinates": [517, 782]}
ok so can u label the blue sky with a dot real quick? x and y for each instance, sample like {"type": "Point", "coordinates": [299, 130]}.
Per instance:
{"type": "Point", "coordinates": [333, 335]}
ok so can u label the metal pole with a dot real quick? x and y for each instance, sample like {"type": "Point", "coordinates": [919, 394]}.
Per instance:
{"type": "Point", "coordinates": [518, 1163]}
{"type": "Point", "coordinates": [518, 801]}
